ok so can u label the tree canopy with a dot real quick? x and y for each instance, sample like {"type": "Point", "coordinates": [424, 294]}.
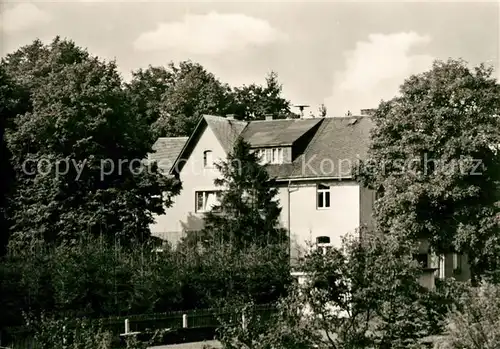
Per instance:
{"type": "Point", "coordinates": [434, 158]}
{"type": "Point", "coordinates": [173, 98]}
{"type": "Point", "coordinates": [78, 150]}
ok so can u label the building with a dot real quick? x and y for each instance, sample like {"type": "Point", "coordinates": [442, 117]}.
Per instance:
{"type": "Point", "coordinates": [311, 159]}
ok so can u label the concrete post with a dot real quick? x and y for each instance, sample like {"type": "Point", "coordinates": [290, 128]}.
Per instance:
{"type": "Point", "coordinates": [127, 326]}
{"type": "Point", "coordinates": [184, 321]}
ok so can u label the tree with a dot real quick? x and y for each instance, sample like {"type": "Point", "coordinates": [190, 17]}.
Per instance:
{"type": "Point", "coordinates": [363, 295]}
{"type": "Point", "coordinates": [78, 150]}
{"type": "Point", "coordinates": [257, 101]}
{"type": "Point", "coordinates": [148, 88]}
{"type": "Point", "coordinates": [248, 212]}
{"type": "Point", "coordinates": [434, 157]}
{"type": "Point", "coordinates": [191, 92]}
{"type": "Point", "coordinates": [10, 96]}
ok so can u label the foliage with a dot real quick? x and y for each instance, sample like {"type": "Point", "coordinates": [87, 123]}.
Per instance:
{"type": "Point", "coordinates": [248, 212]}
{"type": "Point", "coordinates": [284, 329]}
{"type": "Point", "coordinates": [364, 295]}
{"type": "Point", "coordinates": [191, 92]}
{"type": "Point", "coordinates": [94, 279]}
{"type": "Point", "coordinates": [256, 101]}
{"type": "Point", "coordinates": [77, 150]}
{"type": "Point", "coordinates": [9, 101]}
{"type": "Point", "coordinates": [476, 322]}
{"type": "Point", "coordinates": [51, 333]}
{"type": "Point", "coordinates": [220, 274]}
{"type": "Point", "coordinates": [173, 98]}
{"type": "Point", "coordinates": [433, 155]}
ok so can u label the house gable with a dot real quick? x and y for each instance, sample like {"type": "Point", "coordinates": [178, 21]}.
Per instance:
{"type": "Point", "coordinates": [225, 133]}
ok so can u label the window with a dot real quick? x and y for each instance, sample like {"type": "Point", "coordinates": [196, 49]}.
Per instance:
{"type": "Point", "coordinates": [207, 159]}
{"type": "Point", "coordinates": [323, 243]}
{"type": "Point", "coordinates": [323, 196]}
{"type": "Point", "coordinates": [271, 155]}
{"type": "Point", "coordinates": [205, 200]}
{"type": "Point", "coordinates": [423, 259]}
{"type": "Point", "coordinates": [457, 262]}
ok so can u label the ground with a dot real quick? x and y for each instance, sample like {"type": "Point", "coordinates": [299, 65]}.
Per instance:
{"type": "Point", "coordinates": [195, 345]}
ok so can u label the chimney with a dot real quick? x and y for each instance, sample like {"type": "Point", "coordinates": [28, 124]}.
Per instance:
{"type": "Point", "coordinates": [230, 116]}
{"type": "Point", "coordinates": [269, 117]}
{"type": "Point", "coordinates": [367, 112]}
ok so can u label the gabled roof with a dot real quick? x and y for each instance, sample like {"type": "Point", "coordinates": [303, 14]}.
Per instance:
{"type": "Point", "coordinates": [336, 146]}
{"type": "Point", "coordinates": [226, 131]}
{"type": "Point", "coordinates": [166, 150]}
{"type": "Point", "coordinates": [263, 133]}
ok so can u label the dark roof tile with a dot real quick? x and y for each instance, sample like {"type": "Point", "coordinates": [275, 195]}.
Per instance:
{"type": "Point", "coordinates": [277, 132]}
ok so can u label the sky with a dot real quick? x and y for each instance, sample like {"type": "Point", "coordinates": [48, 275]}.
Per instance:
{"type": "Point", "coordinates": [349, 55]}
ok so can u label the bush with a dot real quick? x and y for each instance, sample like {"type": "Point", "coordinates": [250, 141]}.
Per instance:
{"type": "Point", "coordinates": [475, 322]}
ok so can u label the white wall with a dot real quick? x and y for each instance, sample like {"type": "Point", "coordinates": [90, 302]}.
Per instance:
{"type": "Point", "coordinates": [308, 222]}
{"type": "Point", "coordinates": [181, 216]}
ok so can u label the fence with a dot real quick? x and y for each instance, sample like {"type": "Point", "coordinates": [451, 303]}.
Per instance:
{"type": "Point", "coordinates": [21, 338]}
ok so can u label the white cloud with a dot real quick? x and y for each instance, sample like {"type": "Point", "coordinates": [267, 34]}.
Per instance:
{"type": "Point", "coordinates": [23, 16]}
{"type": "Point", "coordinates": [375, 69]}
{"type": "Point", "coordinates": [209, 34]}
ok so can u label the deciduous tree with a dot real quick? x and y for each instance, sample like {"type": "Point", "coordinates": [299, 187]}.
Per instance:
{"type": "Point", "coordinates": [78, 148]}
{"type": "Point", "coordinates": [434, 157]}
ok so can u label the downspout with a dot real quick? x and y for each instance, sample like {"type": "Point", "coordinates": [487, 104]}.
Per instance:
{"type": "Point", "coordinates": [289, 190]}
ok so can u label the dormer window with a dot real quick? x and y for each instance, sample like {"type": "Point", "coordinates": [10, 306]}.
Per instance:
{"type": "Point", "coordinates": [208, 159]}
{"type": "Point", "coordinates": [271, 155]}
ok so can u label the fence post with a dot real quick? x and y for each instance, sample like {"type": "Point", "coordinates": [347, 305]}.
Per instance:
{"type": "Point", "coordinates": [184, 321]}
{"type": "Point", "coordinates": [243, 321]}
{"type": "Point", "coordinates": [127, 326]}
{"type": "Point", "coordinates": [64, 336]}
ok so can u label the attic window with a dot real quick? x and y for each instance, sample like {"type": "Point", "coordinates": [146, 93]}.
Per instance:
{"type": "Point", "coordinates": [271, 155]}
{"type": "Point", "coordinates": [208, 159]}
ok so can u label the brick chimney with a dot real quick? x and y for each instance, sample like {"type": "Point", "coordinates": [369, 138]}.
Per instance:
{"type": "Point", "coordinates": [230, 116]}
{"type": "Point", "coordinates": [269, 117]}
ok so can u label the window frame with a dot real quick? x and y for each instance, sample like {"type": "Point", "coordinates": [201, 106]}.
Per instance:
{"type": "Point", "coordinates": [324, 193]}
{"type": "Point", "coordinates": [206, 163]}
{"type": "Point", "coordinates": [205, 199]}
{"type": "Point", "coordinates": [324, 246]}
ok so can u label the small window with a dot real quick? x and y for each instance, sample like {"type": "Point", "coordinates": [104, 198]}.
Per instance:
{"type": "Point", "coordinates": [323, 240]}
{"type": "Point", "coordinates": [280, 155]}
{"type": "Point", "coordinates": [207, 159]}
{"type": "Point", "coordinates": [323, 196]}
{"type": "Point", "coordinates": [323, 244]}
{"type": "Point", "coordinates": [261, 154]}
{"type": "Point", "coordinates": [206, 200]}
{"type": "Point", "coordinates": [423, 259]}
{"type": "Point", "coordinates": [457, 261]}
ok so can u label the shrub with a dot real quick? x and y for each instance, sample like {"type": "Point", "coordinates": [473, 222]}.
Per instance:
{"type": "Point", "coordinates": [475, 322]}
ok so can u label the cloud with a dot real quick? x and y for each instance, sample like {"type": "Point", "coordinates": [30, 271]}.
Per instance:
{"type": "Point", "coordinates": [375, 69]}
{"type": "Point", "coordinates": [209, 34]}
{"type": "Point", "coordinates": [23, 16]}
